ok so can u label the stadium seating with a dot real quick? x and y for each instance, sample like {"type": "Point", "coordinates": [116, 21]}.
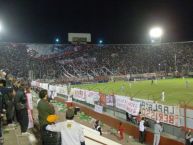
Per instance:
{"type": "Point", "coordinates": [86, 62]}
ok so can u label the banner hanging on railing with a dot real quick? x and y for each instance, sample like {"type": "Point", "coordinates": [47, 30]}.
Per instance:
{"type": "Point", "coordinates": [153, 106]}
{"type": "Point", "coordinates": [98, 108]}
{"type": "Point", "coordinates": [162, 117]}
{"type": "Point", "coordinates": [62, 90]}
{"type": "Point", "coordinates": [91, 97]}
{"type": "Point", "coordinates": [124, 103]}
{"type": "Point", "coordinates": [79, 94]}
{"type": "Point", "coordinates": [109, 100]}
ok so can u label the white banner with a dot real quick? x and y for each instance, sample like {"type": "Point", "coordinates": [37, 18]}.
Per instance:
{"type": "Point", "coordinates": [79, 94]}
{"type": "Point", "coordinates": [150, 105]}
{"type": "Point", "coordinates": [91, 97]}
{"type": "Point", "coordinates": [124, 103]}
{"type": "Point", "coordinates": [62, 90]}
{"type": "Point", "coordinates": [98, 108]}
{"type": "Point", "coordinates": [162, 117]}
{"type": "Point", "coordinates": [109, 100]}
{"type": "Point", "coordinates": [35, 84]}
{"type": "Point", "coordinates": [44, 86]}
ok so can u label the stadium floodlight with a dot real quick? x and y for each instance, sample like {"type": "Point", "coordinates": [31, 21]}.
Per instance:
{"type": "Point", "coordinates": [57, 40]}
{"type": "Point", "coordinates": [100, 41]}
{"type": "Point", "coordinates": [156, 32]}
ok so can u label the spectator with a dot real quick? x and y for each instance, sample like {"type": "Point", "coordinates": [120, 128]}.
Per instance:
{"type": "Point", "coordinates": [157, 131]}
{"type": "Point", "coordinates": [10, 106]}
{"type": "Point", "coordinates": [97, 126]}
{"type": "Point", "coordinates": [29, 107]}
{"type": "Point", "coordinates": [121, 130]}
{"type": "Point", "coordinates": [188, 136]}
{"type": "Point", "coordinates": [21, 108]}
{"type": "Point", "coordinates": [2, 106]}
{"type": "Point", "coordinates": [138, 118]}
{"type": "Point", "coordinates": [72, 132]}
{"type": "Point", "coordinates": [44, 110]}
{"type": "Point", "coordinates": [142, 131]}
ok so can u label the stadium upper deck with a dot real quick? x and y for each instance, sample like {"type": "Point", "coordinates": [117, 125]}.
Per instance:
{"type": "Point", "coordinates": [76, 61]}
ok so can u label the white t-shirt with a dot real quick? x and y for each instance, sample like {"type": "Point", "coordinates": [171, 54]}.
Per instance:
{"type": "Point", "coordinates": [71, 132]}
{"type": "Point", "coordinates": [141, 125]}
{"type": "Point", "coordinates": [191, 140]}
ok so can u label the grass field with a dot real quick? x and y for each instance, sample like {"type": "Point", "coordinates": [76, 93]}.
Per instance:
{"type": "Point", "coordinates": [176, 90]}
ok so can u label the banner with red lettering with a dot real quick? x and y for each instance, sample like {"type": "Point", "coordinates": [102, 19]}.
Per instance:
{"type": "Point", "coordinates": [162, 117]}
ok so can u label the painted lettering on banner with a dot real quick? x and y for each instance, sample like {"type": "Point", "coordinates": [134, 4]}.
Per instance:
{"type": "Point", "coordinates": [124, 103]}
{"type": "Point", "coordinates": [79, 94]}
{"type": "Point", "coordinates": [162, 117]}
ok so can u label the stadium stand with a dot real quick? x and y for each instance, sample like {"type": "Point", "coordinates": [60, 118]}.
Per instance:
{"type": "Point", "coordinates": [72, 62]}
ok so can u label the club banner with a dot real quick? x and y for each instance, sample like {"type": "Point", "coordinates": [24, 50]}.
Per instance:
{"type": "Point", "coordinates": [44, 86]}
{"type": "Point", "coordinates": [150, 105]}
{"type": "Point", "coordinates": [91, 97]}
{"type": "Point", "coordinates": [124, 103]}
{"type": "Point", "coordinates": [109, 100]}
{"type": "Point", "coordinates": [52, 87]}
{"type": "Point", "coordinates": [79, 94]}
{"type": "Point", "coordinates": [62, 90]}
{"type": "Point", "coordinates": [98, 108]}
{"type": "Point", "coordinates": [162, 117]}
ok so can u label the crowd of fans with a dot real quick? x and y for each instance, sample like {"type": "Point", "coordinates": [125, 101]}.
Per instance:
{"type": "Point", "coordinates": [16, 104]}
{"type": "Point", "coordinates": [91, 61]}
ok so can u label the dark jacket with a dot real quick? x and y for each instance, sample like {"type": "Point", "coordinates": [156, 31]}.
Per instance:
{"type": "Point", "coordinates": [3, 92]}
{"type": "Point", "coordinates": [44, 110]}
{"type": "Point", "coordinates": [20, 100]}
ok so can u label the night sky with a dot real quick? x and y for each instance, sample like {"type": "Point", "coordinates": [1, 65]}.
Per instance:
{"type": "Point", "coordinates": [114, 21]}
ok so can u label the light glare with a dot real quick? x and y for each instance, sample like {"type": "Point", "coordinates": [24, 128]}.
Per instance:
{"type": "Point", "coordinates": [156, 32]}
